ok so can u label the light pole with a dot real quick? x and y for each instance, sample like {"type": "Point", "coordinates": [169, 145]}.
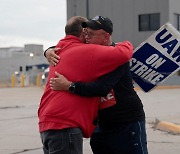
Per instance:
{"type": "Point", "coordinates": [87, 9]}
{"type": "Point", "coordinates": [74, 7]}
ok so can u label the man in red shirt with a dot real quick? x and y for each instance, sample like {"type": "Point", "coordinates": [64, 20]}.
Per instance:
{"type": "Point", "coordinates": [63, 116]}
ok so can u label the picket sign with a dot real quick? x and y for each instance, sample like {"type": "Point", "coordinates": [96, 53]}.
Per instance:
{"type": "Point", "coordinates": [157, 58]}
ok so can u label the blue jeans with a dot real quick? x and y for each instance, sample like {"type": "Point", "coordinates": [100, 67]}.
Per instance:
{"type": "Point", "coordinates": [125, 139]}
{"type": "Point", "coordinates": [65, 141]}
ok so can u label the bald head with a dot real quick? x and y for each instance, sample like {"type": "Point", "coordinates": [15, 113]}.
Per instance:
{"type": "Point", "coordinates": [73, 26]}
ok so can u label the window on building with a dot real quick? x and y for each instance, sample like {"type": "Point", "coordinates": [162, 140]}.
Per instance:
{"type": "Point", "coordinates": [149, 22]}
{"type": "Point", "coordinates": [177, 21]}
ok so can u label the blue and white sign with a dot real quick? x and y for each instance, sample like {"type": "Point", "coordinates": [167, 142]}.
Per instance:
{"type": "Point", "coordinates": [157, 58]}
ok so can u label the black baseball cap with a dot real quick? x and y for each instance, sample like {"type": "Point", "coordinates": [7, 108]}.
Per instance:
{"type": "Point", "coordinates": [99, 22]}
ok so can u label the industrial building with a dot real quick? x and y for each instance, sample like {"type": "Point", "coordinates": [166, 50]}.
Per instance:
{"type": "Point", "coordinates": [28, 60]}
{"type": "Point", "coordinates": [133, 20]}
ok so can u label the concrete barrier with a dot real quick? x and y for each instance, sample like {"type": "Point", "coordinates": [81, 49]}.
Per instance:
{"type": "Point", "coordinates": [168, 127]}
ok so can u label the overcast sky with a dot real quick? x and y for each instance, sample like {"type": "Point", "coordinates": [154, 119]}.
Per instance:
{"type": "Point", "coordinates": [31, 22]}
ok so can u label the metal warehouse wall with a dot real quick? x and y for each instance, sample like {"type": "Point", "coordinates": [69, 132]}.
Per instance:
{"type": "Point", "coordinates": [124, 14]}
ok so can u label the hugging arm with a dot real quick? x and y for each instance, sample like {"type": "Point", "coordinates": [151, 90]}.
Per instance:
{"type": "Point", "coordinates": [51, 55]}
{"type": "Point", "coordinates": [45, 52]}
{"type": "Point", "coordinates": [102, 86]}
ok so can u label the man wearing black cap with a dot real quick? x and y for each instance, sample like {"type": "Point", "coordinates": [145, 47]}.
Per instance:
{"type": "Point", "coordinates": [121, 128]}
{"type": "Point", "coordinates": [99, 22]}
{"type": "Point", "coordinates": [103, 29]}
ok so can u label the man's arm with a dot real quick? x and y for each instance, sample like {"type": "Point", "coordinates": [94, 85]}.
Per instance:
{"type": "Point", "coordinates": [101, 87]}
{"type": "Point", "coordinates": [51, 55]}
{"type": "Point", "coordinates": [110, 58]}
{"type": "Point", "coordinates": [90, 89]}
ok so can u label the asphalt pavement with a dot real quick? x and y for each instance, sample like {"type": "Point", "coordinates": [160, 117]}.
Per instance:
{"type": "Point", "coordinates": [19, 123]}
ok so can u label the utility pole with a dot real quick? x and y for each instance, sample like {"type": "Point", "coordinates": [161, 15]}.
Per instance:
{"type": "Point", "coordinates": [74, 7]}
{"type": "Point", "coordinates": [87, 9]}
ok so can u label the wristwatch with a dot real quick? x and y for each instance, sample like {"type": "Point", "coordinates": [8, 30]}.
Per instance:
{"type": "Point", "coordinates": [72, 87]}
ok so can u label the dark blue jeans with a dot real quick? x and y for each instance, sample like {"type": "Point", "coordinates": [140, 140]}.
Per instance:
{"type": "Point", "coordinates": [65, 141]}
{"type": "Point", "coordinates": [125, 139]}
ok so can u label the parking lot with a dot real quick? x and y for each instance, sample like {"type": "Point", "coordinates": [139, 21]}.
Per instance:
{"type": "Point", "coordinates": [19, 122]}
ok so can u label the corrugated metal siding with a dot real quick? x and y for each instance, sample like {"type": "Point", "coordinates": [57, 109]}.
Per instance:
{"type": "Point", "coordinates": [124, 15]}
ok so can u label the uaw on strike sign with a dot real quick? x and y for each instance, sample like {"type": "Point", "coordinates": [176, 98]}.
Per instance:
{"type": "Point", "coordinates": [157, 58]}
